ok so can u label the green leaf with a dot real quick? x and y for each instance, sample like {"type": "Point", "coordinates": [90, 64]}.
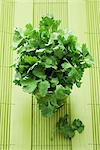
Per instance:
{"type": "Point", "coordinates": [72, 40]}
{"type": "Point", "coordinates": [18, 38]}
{"type": "Point", "coordinates": [60, 92]}
{"type": "Point", "coordinates": [78, 125]}
{"type": "Point", "coordinates": [47, 104]}
{"type": "Point", "coordinates": [89, 61]}
{"type": "Point", "coordinates": [29, 85]}
{"type": "Point", "coordinates": [68, 132]}
{"type": "Point", "coordinates": [59, 53]}
{"type": "Point", "coordinates": [39, 72]}
{"type": "Point", "coordinates": [54, 103]}
{"type": "Point", "coordinates": [18, 43]}
{"type": "Point", "coordinates": [75, 74]}
{"type": "Point", "coordinates": [22, 68]}
{"type": "Point", "coordinates": [54, 36]}
{"type": "Point", "coordinates": [29, 27]}
{"type": "Point", "coordinates": [50, 62]}
{"type": "Point", "coordinates": [28, 30]}
{"type": "Point", "coordinates": [17, 82]}
{"type": "Point", "coordinates": [30, 59]}
{"type": "Point", "coordinates": [48, 23]}
{"type": "Point", "coordinates": [84, 50]}
{"type": "Point", "coordinates": [78, 84]}
{"type": "Point", "coordinates": [43, 87]}
{"type": "Point", "coordinates": [65, 127]}
{"type": "Point", "coordinates": [66, 65]}
{"type": "Point", "coordinates": [67, 90]}
{"type": "Point", "coordinates": [18, 34]}
{"type": "Point", "coordinates": [80, 129]}
{"type": "Point", "coordinates": [54, 81]}
{"type": "Point", "coordinates": [77, 122]}
{"type": "Point", "coordinates": [47, 110]}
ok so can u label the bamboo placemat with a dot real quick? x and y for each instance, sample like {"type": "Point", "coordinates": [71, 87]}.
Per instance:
{"type": "Point", "coordinates": [83, 18]}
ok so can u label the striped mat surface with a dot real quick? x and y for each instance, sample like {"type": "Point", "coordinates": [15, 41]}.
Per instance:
{"type": "Point", "coordinates": [83, 18]}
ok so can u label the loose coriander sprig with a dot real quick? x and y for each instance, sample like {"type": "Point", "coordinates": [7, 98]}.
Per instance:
{"type": "Point", "coordinates": [65, 127]}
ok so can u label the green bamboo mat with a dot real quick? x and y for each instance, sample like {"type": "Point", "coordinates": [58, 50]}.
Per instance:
{"type": "Point", "coordinates": [83, 18]}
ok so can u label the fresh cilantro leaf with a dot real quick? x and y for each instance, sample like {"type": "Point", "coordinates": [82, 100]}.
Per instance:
{"type": "Point", "coordinates": [47, 104]}
{"type": "Point", "coordinates": [60, 92]}
{"type": "Point", "coordinates": [80, 129]}
{"type": "Point", "coordinates": [17, 82]}
{"type": "Point", "coordinates": [59, 53]}
{"type": "Point", "coordinates": [18, 35]}
{"type": "Point", "coordinates": [29, 85]}
{"type": "Point", "coordinates": [39, 72]}
{"type": "Point", "coordinates": [48, 23]}
{"type": "Point", "coordinates": [54, 82]}
{"type": "Point", "coordinates": [50, 62]}
{"type": "Point", "coordinates": [30, 59]}
{"type": "Point", "coordinates": [68, 132]}
{"type": "Point", "coordinates": [43, 87]}
{"type": "Point", "coordinates": [67, 90]}
{"type": "Point", "coordinates": [88, 61]}
{"type": "Point", "coordinates": [78, 84]}
{"type": "Point", "coordinates": [65, 127]}
{"type": "Point", "coordinates": [74, 74]}
{"type": "Point", "coordinates": [78, 125]}
{"type": "Point", "coordinates": [66, 65]}
{"type": "Point", "coordinates": [28, 30]}
{"type": "Point", "coordinates": [22, 68]}
{"type": "Point", "coordinates": [84, 50]}
{"type": "Point", "coordinates": [47, 109]}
